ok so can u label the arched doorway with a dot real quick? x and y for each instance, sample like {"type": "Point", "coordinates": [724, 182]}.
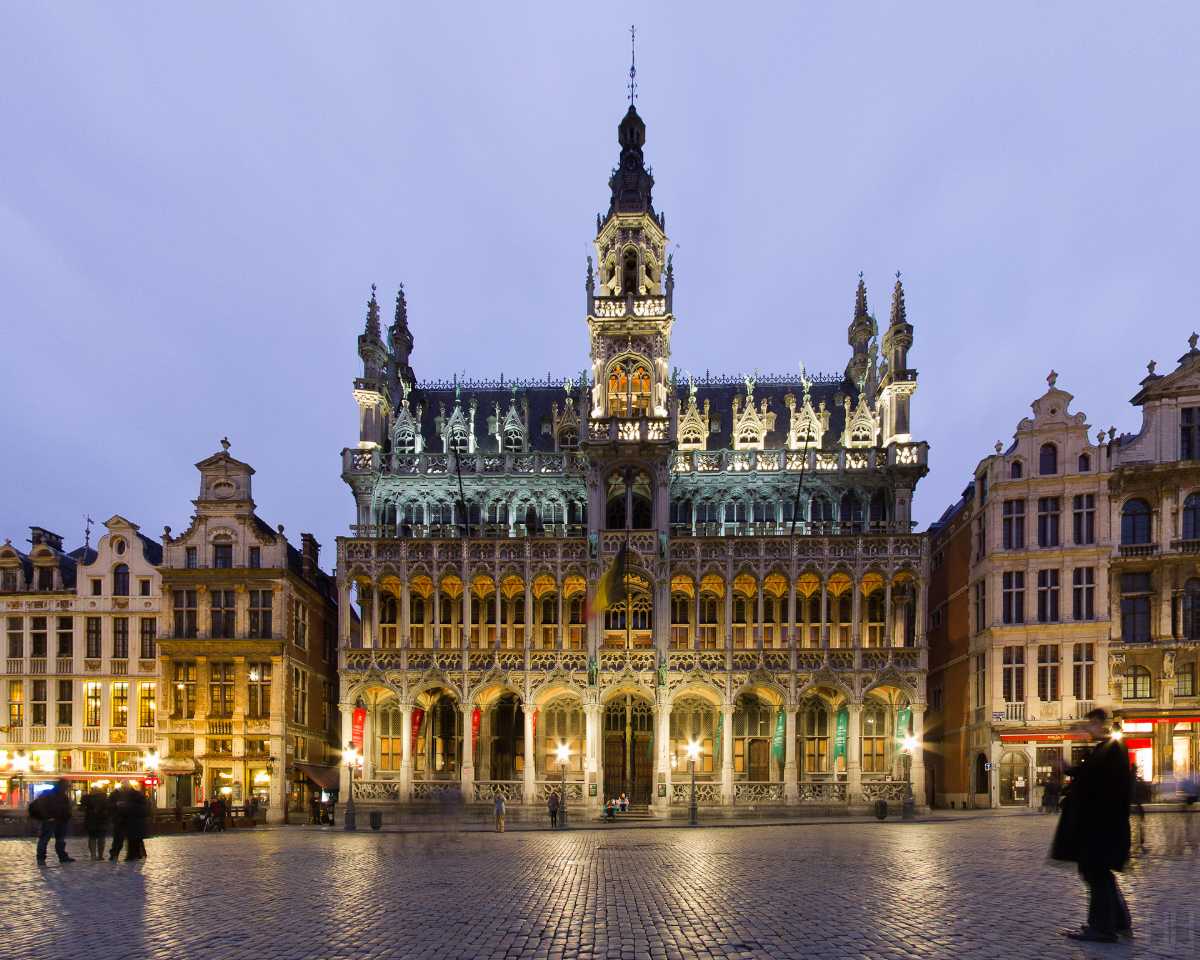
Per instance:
{"type": "Point", "coordinates": [502, 750]}
{"type": "Point", "coordinates": [981, 774]}
{"type": "Point", "coordinates": [629, 748]}
{"type": "Point", "coordinates": [1014, 779]}
{"type": "Point", "coordinates": [437, 748]}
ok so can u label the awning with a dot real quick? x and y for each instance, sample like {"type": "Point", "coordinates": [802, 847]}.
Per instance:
{"type": "Point", "coordinates": [327, 778]}
{"type": "Point", "coordinates": [176, 765]}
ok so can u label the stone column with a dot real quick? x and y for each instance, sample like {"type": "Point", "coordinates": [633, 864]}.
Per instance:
{"type": "Point", "coordinates": [824, 614]}
{"type": "Point", "coordinates": [917, 770]}
{"type": "Point", "coordinates": [854, 754]}
{"type": "Point", "coordinates": [662, 752]}
{"type": "Point", "coordinates": [695, 644]}
{"type": "Point", "coordinates": [406, 747]}
{"type": "Point", "coordinates": [344, 617]}
{"type": "Point", "coordinates": [529, 618]}
{"type": "Point", "coordinates": [375, 638]}
{"type": "Point", "coordinates": [922, 588]}
{"type": "Point", "coordinates": [727, 753]}
{"type": "Point", "coordinates": [468, 755]}
{"type": "Point", "coordinates": [466, 615]}
{"type": "Point", "coordinates": [889, 635]}
{"type": "Point", "coordinates": [347, 712]}
{"type": "Point", "coordinates": [728, 625]}
{"type": "Point", "coordinates": [530, 786]}
{"type": "Point", "coordinates": [791, 615]}
{"type": "Point", "coordinates": [560, 631]}
{"type": "Point", "coordinates": [405, 614]}
{"type": "Point", "coordinates": [856, 637]}
{"type": "Point", "coordinates": [791, 784]}
{"type": "Point", "coordinates": [758, 617]}
{"type": "Point", "coordinates": [593, 771]}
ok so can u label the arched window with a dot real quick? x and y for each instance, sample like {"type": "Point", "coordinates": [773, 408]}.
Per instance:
{"type": "Point", "coordinates": [879, 507]}
{"type": "Point", "coordinates": [1016, 470]}
{"type": "Point", "coordinates": [629, 490]}
{"type": "Point", "coordinates": [1191, 609]}
{"type": "Point", "coordinates": [1085, 463]}
{"type": "Point", "coordinates": [1048, 460]}
{"type": "Point", "coordinates": [406, 441]}
{"type": "Point", "coordinates": [389, 617]}
{"type": "Point", "coordinates": [513, 441]}
{"type": "Point", "coordinates": [814, 728]}
{"type": "Point", "coordinates": [1137, 684]}
{"type": "Point", "coordinates": [458, 440]}
{"type": "Point", "coordinates": [568, 439]}
{"type": "Point", "coordinates": [1191, 517]}
{"type": "Point", "coordinates": [629, 273]}
{"type": "Point", "coordinates": [120, 580]}
{"type": "Point", "coordinates": [1135, 522]}
{"type": "Point", "coordinates": [821, 510]}
{"type": "Point", "coordinates": [1014, 778]}
{"type": "Point", "coordinates": [629, 388]}
{"type": "Point", "coordinates": [851, 513]}
{"type": "Point", "coordinates": [693, 721]}
{"type": "Point", "coordinates": [874, 737]}
{"type": "Point", "coordinates": [552, 512]}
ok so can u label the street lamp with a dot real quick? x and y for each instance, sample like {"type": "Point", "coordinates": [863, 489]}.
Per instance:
{"type": "Point", "coordinates": [693, 752]}
{"type": "Point", "coordinates": [564, 754]}
{"type": "Point", "coordinates": [350, 755]}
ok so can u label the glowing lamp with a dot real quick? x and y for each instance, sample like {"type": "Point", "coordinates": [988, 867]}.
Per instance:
{"type": "Point", "coordinates": [693, 750]}
{"type": "Point", "coordinates": [910, 743]}
{"type": "Point", "coordinates": [20, 763]}
{"type": "Point", "coordinates": [563, 752]}
{"type": "Point", "coordinates": [350, 755]}
{"type": "Point", "coordinates": [1117, 733]}
{"type": "Point", "coordinates": [151, 761]}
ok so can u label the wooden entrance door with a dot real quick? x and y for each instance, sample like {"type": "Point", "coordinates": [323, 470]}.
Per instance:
{"type": "Point", "coordinates": [643, 769]}
{"type": "Point", "coordinates": [760, 765]}
{"type": "Point", "coordinates": [614, 765]}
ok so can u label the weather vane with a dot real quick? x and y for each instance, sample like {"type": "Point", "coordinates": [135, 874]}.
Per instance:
{"type": "Point", "coordinates": [632, 64]}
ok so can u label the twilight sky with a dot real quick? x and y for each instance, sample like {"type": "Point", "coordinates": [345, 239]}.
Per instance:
{"type": "Point", "coordinates": [194, 202]}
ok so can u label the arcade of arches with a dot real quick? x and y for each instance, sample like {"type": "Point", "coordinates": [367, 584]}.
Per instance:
{"type": "Point", "coordinates": [824, 747]}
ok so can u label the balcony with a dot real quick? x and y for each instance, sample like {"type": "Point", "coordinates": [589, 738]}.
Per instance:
{"type": "Point", "coordinates": [623, 430]}
{"type": "Point", "coordinates": [610, 308]}
{"type": "Point", "coordinates": [37, 665]}
{"type": "Point", "coordinates": [1185, 546]}
{"type": "Point", "coordinates": [356, 461]}
{"type": "Point", "coordinates": [1138, 549]}
{"type": "Point", "coordinates": [64, 665]}
{"type": "Point", "coordinates": [1014, 712]}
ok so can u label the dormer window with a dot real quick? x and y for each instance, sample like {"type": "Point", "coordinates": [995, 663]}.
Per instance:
{"type": "Point", "coordinates": [568, 440]}
{"type": "Point", "coordinates": [222, 555]}
{"type": "Point", "coordinates": [119, 547]}
{"type": "Point", "coordinates": [406, 442]}
{"type": "Point", "coordinates": [1016, 470]}
{"type": "Point", "coordinates": [120, 580]}
{"type": "Point", "coordinates": [458, 441]}
{"type": "Point", "coordinates": [1085, 463]}
{"type": "Point", "coordinates": [629, 389]}
{"type": "Point", "coordinates": [512, 440]}
{"type": "Point", "coordinates": [45, 578]}
{"type": "Point", "coordinates": [1048, 460]}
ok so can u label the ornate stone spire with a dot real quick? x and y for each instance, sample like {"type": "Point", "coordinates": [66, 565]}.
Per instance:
{"type": "Point", "coordinates": [373, 329]}
{"type": "Point", "coordinates": [899, 314]}
{"type": "Point", "coordinates": [858, 335]}
{"type": "Point", "coordinates": [631, 182]}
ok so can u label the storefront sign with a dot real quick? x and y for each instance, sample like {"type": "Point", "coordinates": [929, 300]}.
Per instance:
{"type": "Point", "coordinates": [778, 747]}
{"type": "Point", "coordinates": [475, 718]}
{"type": "Point", "coordinates": [357, 722]}
{"type": "Point", "coordinates": [841, 733]}
{"type": "Point", "coordinates": [418, 715]}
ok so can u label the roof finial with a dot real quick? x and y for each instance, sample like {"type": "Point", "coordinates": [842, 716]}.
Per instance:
{"type": "Point", "coordinates": [1052, 378]}
{"type": "Point", "coordinates": [1192, 340]}
{"type": "Point", "coordinates": [632, 86]}
{"type": "Point", "coordinates": [225, 444]}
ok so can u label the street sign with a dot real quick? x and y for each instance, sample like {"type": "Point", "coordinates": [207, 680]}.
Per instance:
{"type": "Point", "coordinates": [987, 766]}
{"type": "Point", "coordinates": [997, 715]}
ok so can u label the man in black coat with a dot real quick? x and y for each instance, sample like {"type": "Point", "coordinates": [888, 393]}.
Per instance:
{"type": "Point", "coordinates": [1094, 831]}
{"type": "Point", "coordinates": [53, 809]}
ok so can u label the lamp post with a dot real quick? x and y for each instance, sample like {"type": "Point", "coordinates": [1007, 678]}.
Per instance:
{"type": "Point", "coordinates": [350, 755]}
{"type": "Point", "coordinates": [150, 765]}
{"type": "Point", "coordinates": [693, 752]}
{"type": "Point", "coordinates": [564, 754]}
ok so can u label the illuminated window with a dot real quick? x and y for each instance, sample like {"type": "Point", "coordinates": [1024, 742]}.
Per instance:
{"type": "Point", "coordinates": [120, 704]}
{"type": "Point", "coordinates": [629, 389]}
{"type": "Point", "coordinates": [874, 735]}
{"type": "Point", "coordinates": [147, 703]}
{"type": "Point", "coordinates": [1136, 684]}
{"type": "Point", "coordinates": [91, 704]}
{"type": "Point", "coordinates": [220, 689]}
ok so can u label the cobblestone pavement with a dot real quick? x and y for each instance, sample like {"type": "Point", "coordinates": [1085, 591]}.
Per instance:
{"type": "Point", "coordinates": [967, 888]}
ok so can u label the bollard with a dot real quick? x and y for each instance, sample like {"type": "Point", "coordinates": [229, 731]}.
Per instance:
{"type": "Point", "coordinates": [881, 809]}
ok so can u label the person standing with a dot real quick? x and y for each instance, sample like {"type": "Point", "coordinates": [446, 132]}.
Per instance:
{"type": "Point", "coordinates": [53, 809]}
{"type": "Point", "coordinates": [1093, 831]}
{"type": "Point", "coordinates": [97, 815]}
{"type": "Point", "coordinates": [120, 808]}
{"type": "Point", "coordinates": [552, 805]}
{"type": "Point", "coordinates": [139, 812]}
{"type": "Point", "coordinates": [500, 810]}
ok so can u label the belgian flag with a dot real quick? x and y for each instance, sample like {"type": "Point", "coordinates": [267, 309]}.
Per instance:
{"type": "Point", "coordinates": [611, 588]}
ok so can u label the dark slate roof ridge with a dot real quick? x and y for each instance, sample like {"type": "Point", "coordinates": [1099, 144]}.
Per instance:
{"type": "Point", "coordinates": [151, 549]}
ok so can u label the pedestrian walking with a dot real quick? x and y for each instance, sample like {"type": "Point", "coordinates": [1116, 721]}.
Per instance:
{"type": "Point", "coordinates": [552, 806]}
{"type": "Point", "coordinates": [499, 807]}
{"type": "Point", "coordinates": [1093, 831]}
{"type": "Point", "coordinates": [53, 809]}
{"type": "Point", "coordinates": [1052, 791]}
{"type": "Point", "coordinates": [97, 816]}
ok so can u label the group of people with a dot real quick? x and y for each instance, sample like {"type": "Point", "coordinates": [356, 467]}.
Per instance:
{"type": "Point", "coordinates": [614, 806]}
{"type": "Point", "coordinates": [124, 813]}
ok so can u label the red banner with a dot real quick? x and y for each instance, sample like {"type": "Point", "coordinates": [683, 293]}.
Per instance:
{"type": "Point", "coordinates": [535, 713]}
{"type": "Point", "coordinates": [357, 723]}
{"type": "Point", "coordinates": [475, 716]}
{"type": "Point", "coordinates": [418, 715]}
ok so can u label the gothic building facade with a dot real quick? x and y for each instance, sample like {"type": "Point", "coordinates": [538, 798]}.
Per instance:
{"type": "Point", "coordinates": [772, 615]}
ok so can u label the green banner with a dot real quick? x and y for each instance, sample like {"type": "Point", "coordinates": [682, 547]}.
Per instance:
{"type": "Point", "coordinates": [778, 746]}
{"type": "Point", "coordinates": [903, 722]}
{"type": "Point", "coordinates": [841, 734]}
{"type": "Point", "coordinates": [717, 755]}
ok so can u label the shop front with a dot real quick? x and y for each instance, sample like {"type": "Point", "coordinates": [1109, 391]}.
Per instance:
{"type": "Point", "coordinates": [1026, 762]}
{"type": "Point", "coordinates": [1163, 747]}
